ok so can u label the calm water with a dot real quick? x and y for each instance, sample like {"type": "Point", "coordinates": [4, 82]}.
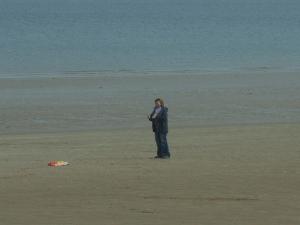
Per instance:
{"type": "Point", "coordinates": [50, 36]}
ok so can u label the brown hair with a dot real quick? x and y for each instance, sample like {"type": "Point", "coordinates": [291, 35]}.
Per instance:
{"type": "Point", "coordinates": [161, 101]}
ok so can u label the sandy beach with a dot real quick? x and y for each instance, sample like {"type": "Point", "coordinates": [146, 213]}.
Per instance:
{"type": "Point", "coordinates": [227, 175]}
{"type": "Point", "coordinates": [78, 80]}
{"type": "Point", "coordinates": [234, 141]}
{"type": "Point", "coordinates": [100, 101]}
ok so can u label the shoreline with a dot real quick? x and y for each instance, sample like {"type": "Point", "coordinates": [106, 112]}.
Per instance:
{"type": "Point", "coordinates": [144, 73]}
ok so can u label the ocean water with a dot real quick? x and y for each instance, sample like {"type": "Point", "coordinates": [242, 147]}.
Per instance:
{"type": "Point", "coordinates": [55, 36]}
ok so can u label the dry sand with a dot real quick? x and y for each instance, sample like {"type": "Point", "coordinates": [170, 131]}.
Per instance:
{"type": "Point", "coordinates": [227, 175]}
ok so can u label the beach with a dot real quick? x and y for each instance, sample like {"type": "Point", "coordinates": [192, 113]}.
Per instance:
{"type": "Point", "coordinates": [234, 140]}
{"type": "Point", "coordinates": [79, 101]}
{"type": "Point", "coordinates": [217, 175]}
{"type": "Point", "coordinates": [78, 80]}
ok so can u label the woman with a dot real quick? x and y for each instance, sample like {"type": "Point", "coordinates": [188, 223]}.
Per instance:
{"type": "Point", "coordinates": [159, 119]}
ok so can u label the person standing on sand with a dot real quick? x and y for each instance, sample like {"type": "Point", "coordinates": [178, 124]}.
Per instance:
{"type": "Point", "coordinates": [159, 119]}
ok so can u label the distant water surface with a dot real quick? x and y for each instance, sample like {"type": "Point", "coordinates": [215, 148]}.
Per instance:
{"type": "Point", "coordinates": [50, 36]}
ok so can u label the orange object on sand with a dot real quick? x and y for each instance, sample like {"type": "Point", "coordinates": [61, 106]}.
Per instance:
{"type": "Point", "coordinates": [58, 163]}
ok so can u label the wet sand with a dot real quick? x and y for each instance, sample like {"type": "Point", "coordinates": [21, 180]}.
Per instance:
{"type": "Point", "coordinates": [78, 102]}
{"type": "Point", "coordinates": [234, 141]}
{"type": "Point", "coordinates": [217, 175]}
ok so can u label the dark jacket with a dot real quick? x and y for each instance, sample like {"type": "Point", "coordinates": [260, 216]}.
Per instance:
{"type": "Point", "coordinates": [160, 123]}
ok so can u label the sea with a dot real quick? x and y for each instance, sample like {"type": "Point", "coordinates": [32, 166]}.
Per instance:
{"type": "Point", "coordinates": [44, 37]}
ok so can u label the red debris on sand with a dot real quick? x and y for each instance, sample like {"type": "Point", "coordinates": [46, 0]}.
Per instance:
{"type": "Point", "coordinates": [58, 163]}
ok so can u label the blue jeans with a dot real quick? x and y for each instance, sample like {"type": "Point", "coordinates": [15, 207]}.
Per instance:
{"type": "Point", "coordinates": [162, 144]}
